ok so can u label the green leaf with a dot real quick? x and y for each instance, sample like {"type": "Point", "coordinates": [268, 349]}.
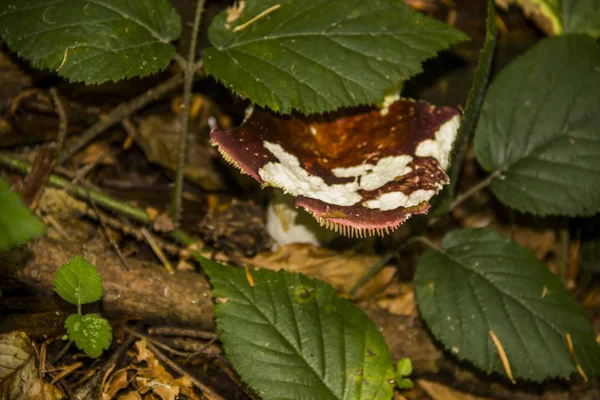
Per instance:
{"type": "Point", "coordinates": [538, 133]}
{"type": "Point", "coordinates": [482, 282]}
{"type": "Point", "coordinates": [404, 384]}
{"type": "Point", "coordinates": [17, 223]}
{"type": "Point", "coordinates": [78, 282]}
{"type": "Point", "coordinates": [404, 368]}
{"type": "Point", "coordinates": [317, 56]}
{"type": "Point", "coordinates": [291, 337]}
{"type": "Point", "coordinates": [442, 202]}
{"type": "Point", "coordinates": [581, 16]}
{"type": "Point", "coordinates": [90, 332]}
{"type": "Point", "coordinates": [92, 41]}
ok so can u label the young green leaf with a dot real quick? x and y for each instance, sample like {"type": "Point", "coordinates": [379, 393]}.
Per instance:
{"type": "Point", "coordinates": [404, 368]}
{"type": "Point", "coordinates": [581, 16]}
{"type": "Point", "coordinates": [90, 332]}
{"type": "Point", "coordinates": [442, 202]}
{"type": "Point", "coordinates": [483, 285]}
{"type": "Point", "coordinates": [94, 41]}
{"type": "Point", "coordinates": [78, 282]}
{"type": "Point", "coordinates": [291, 337]}
{"type": "Point", "coordinates": [545, 13]}
{"type": "Point", "coordinates": [317, 56]}
{"type": "Point", "coordinates": [17, 223]}
{"type": "Point", "coordinates": [538, 133]}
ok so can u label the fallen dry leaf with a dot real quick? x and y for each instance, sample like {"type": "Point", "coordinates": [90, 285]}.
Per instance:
{"type": "Point", "coordinates": [19, 374]}
{"type": "Point", "coordinates": [341, 270]}
{"type": "Point", "coordinates": [116, 382]}
{"type": "Point", "coordinates": [437, 391]}
{"type": "Point", "coordinates": [403, 303]}
{"type": "Point", "coordinates": [155, 379]}
{"type": "Point", "coordinates": [158, 136]}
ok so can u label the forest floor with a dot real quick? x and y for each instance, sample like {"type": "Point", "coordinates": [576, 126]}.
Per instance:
{"type": "Point", "coordinates": [164, 343]}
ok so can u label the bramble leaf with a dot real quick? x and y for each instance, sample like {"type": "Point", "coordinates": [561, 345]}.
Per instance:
{"type": "Point", "coordinates": [317, 56]}
{"type": "Point", "coordinates": [90, 332]}
{"type": "Point", "coordinates": [538, 133]}
{"type": "Point", "coordinates": [291, 337]}
{"type": "Point", "coordinates": [93, 41]}
{"type": "Point", "coordinates": [482, 282]}
{"type": "Point", "coordinates": [78, 282]}
{"type": "Point", "coordinates": [17, 223]}
{"type": "Point", "coordinates": [581, 16]}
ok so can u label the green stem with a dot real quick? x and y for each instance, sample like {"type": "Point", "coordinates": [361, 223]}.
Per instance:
{"type": "Point", "coordinates": [188, 77]}
{"type": "Point", "coordinates": [474, 189]}
{"type": "Point", "coordinates": [99, 198]}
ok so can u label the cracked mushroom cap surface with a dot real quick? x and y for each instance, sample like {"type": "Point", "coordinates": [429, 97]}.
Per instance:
{"type": "Point", "coordinates": [360, 173]}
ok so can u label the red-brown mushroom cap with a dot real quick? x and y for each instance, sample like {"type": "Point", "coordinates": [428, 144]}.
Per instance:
{"type": "Point", "coordinates": [360, 173]}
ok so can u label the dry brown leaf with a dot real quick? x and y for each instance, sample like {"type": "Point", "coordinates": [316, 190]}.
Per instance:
{"type": "Point", "coordinates": [437, 391]}
{"type": "Point", "coordinates": [403, 303]}
{"type": "Point", "coordinates": [19, 375]}
{"type": "Point", "coordinates": [116, 382]}
{"type": "Point", "coordinates": [157, 380]}
{"type": "Point", "coordinates": [163, 223]}
{"type": "Point", "coordinates": [131, 396]}
{"type": "Point", "coordinates": [341, 270]}
{"type": "Point", "coordinates": [100, 152]}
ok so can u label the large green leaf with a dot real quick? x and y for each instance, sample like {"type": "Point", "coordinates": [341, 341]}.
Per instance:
{"type": "Point", "coordinates": [581, 16]}
{"type": "Point", "coordinates": [92, 41]}
{"type": "Point", "coordinates": [78, 282]}
{"type": "Point", "coordinates": [291, 337]}
{"type": "Point", "coordinates": [317, 55]}
{"type": "Point", "coordinates": [17, 224]}
{"type": "Point", "coordinates": [539, 133]}
{"type": "Point", "coordinates": [482, 282]}
{"type": "Point", "coordinates": [90, 332]}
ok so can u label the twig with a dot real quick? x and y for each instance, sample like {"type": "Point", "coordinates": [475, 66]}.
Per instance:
{"type": "Point", "coordinates": [175, 367]}
{"type": "Point", "coordinates": [178, 331]}
{"type": "Point", "coordinates": [62, 352]}
{"type": "Point", "coordinates": [108, 237]}
{"type": "Point", "coordinates": [156, 342]}
{"type": "Point", "coordinates": [157, 251]}
{"type": "Point", "coordinates": [85, 390]}
{"type": "Point", "coordinates": [564, 249]}
{"type": "Point", "coordinates": [120, 112]}
{"type": "Point", "coordinates": [206, 346]}
{"type": "Point", "coordinates": [62, 120]}
{"type": "Point", "coordinates": [101, 200]}
{"type": "Point", "coordinates": [188, 73]}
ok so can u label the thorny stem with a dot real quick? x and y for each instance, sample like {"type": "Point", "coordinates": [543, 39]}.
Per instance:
{"type": "Point", "coordinates": [99, 198]}
{"type": "Point", "coordinates": [118, 113]}
{"type": "Point", "coordinates": [188, 77]}
{"type": "Point", "coordinates": [474, 189]}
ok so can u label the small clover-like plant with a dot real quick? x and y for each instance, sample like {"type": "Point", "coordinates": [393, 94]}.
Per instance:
{"type": "Point", "coordinates": [78, 282]}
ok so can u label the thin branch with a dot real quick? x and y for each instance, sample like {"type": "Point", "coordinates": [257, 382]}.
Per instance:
{"type": "Point", "coordinates": [62, 119]}
{"type": "Point", "coordinates": [175, 209]}
{"type": "Point", "coordinates": [120, 112]}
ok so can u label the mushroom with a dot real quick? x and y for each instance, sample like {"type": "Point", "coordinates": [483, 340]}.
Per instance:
{"type": "Point", "coordinates": [357, 172]}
